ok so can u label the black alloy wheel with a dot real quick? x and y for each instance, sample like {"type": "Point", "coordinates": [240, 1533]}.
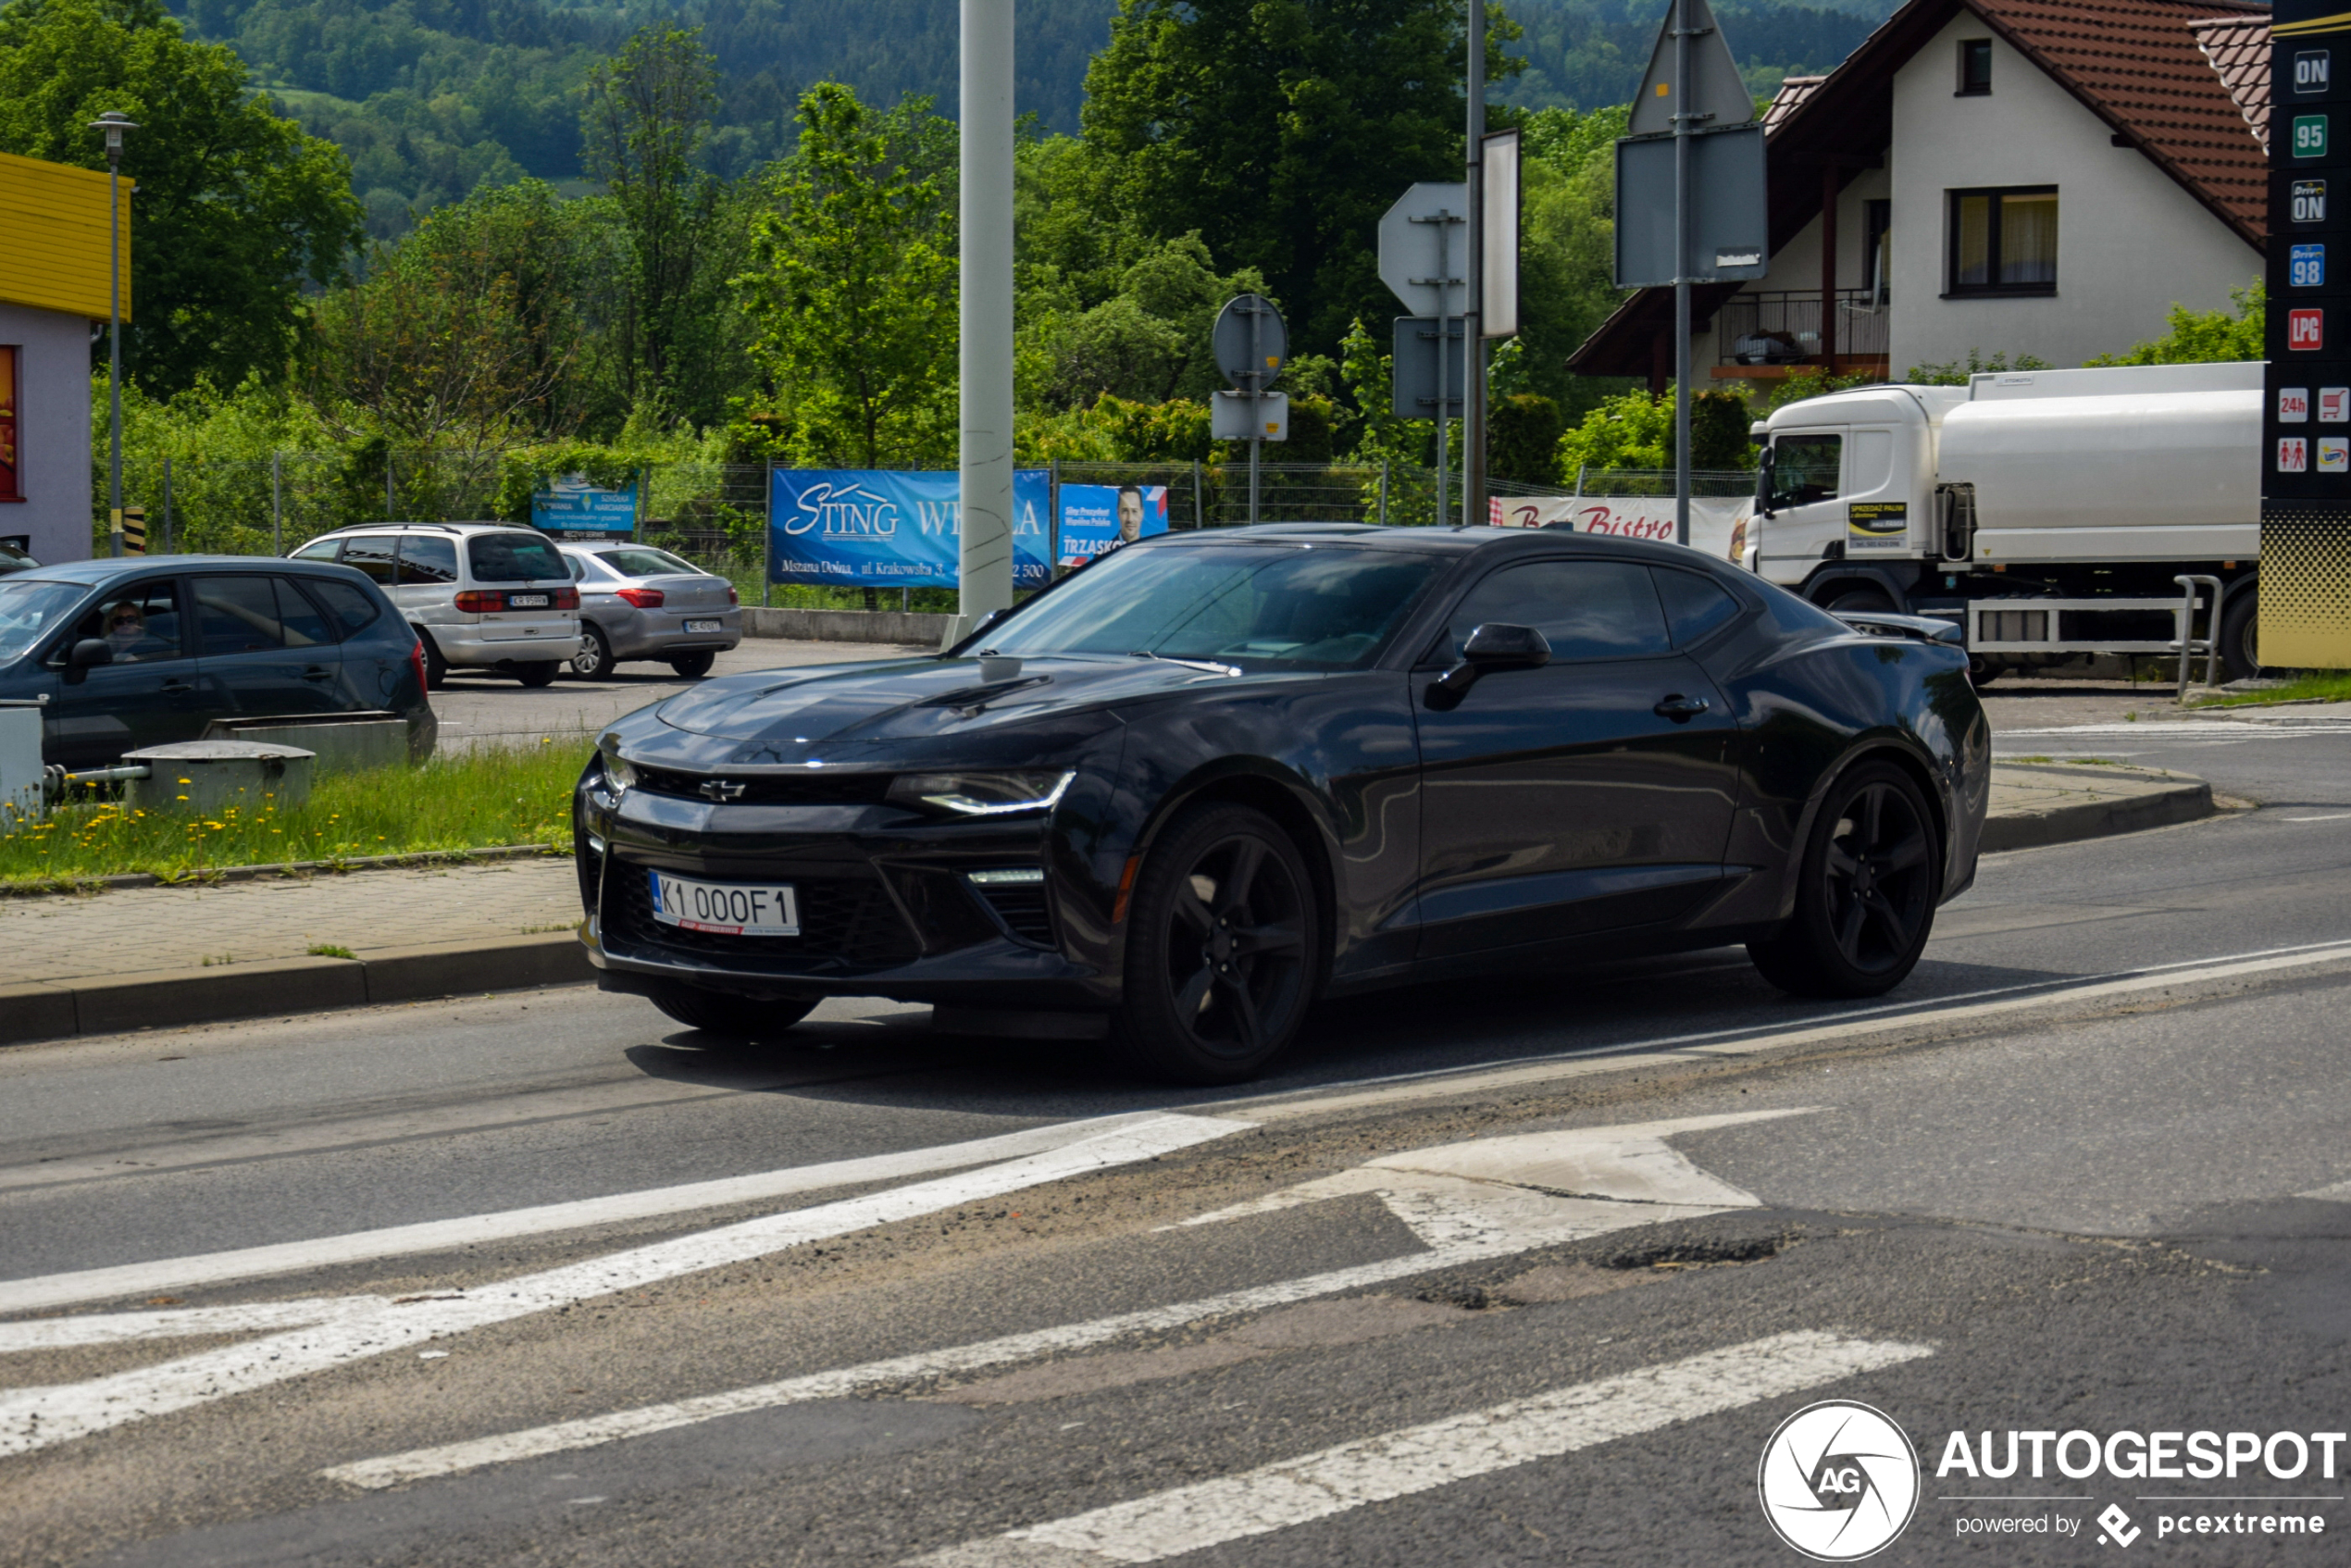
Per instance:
{"type": "Point", "coordinates": [1220, 947]}
{"type": "Point", "coordinates": [694, 666]}
{"type": "Point", "coordinates": [540, 673]}
{"type": "Point", "coordinates": [595, 659]}
{"type": "Point", "coordinates": [1865, 903]}
{"type": "Point", "coordinates": [732, 1017]}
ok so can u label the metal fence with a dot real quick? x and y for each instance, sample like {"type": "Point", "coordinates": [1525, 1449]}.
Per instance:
{"type": "Point", "coordinates": [1721, 483]}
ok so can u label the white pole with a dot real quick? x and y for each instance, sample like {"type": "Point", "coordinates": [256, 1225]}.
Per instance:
{"type": "Point", "coordinates": [985, 339]}
{"type": "Point", "coordinates": [1473, 342]}
{"type": "Point", "coordinates": [1444, 349]}
{"type": "Point", "coordinates": [1683, 123]}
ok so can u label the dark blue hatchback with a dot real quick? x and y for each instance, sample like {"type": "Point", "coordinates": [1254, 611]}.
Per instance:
{"type": "Point", "coordinates": [141, 652]}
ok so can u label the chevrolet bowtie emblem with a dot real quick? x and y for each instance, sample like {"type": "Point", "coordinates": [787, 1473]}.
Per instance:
{"type": "Point", "coordinates": [723, 790]}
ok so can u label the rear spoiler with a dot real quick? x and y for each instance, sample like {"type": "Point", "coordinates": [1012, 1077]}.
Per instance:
{"type": "Point", "coordinates": [1925, 629]}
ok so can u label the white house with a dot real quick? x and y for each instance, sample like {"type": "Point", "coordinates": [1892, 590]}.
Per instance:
{"type": "Point", "coordinates": [2043, 177]}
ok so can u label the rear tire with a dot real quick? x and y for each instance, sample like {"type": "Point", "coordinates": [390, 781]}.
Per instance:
{"type": "Point", "coordinates": [694, 666]}
{"type": "Point", "coordinates": [1222, 943]}
{"type": "Point", "coordinates": [2241, 634]}
{"type": "Point", "coordinates": [733, 1017]}
{"type": "Point", "coordinates": [1866, 892]}
{"type": "Point", "coordinates": [594, 660]}
{"type": "Point", "coordinates": [537, 675]}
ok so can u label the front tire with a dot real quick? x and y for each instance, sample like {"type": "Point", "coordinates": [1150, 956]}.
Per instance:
{"type": "Point", "coordinates": [733, 1017]}
{"type": "Point", "coordinates": [1221, 940]}
{"type": "Point", "coordinates": [2241, 634]}
{"type": "Point", "coordinates": [1866, 891]}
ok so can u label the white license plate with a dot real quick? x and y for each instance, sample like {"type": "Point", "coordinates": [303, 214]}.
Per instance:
{"type": "Point", "coordinates": [702, 625]}
{"type": "Point", "coordinates": [527, 601]}
{"type": "Point", "coordinates": [734, 909]}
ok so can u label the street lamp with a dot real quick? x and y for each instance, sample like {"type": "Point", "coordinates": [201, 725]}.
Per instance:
{"type": "Point", "coordinates": [114, 123]}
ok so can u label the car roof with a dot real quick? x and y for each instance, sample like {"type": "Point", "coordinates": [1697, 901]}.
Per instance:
{"type": "Point", "coordinates": [392, 527]}
{"type": "Point", "coordinates": [109, 568]}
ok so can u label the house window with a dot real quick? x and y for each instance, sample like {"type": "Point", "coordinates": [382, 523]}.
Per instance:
{"type": "Point", "coordinates": [11, 479]}
{"type": "Point", "coordinates": [1877, 249]}
{"type": "Point", "coordinates": [2003, 241]}
{"type": "Point", "coordinates": [1975, 67]}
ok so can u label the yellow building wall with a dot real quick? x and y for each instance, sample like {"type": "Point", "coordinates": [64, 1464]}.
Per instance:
{"type": "Point", "coordinates": [55, 254]}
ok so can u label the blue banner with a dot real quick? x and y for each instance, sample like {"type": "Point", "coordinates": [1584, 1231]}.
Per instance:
{"type": "Point", "coordinates": [872, 528]}
{"type": "Point", "coordinates": [1095, 518]}
{"type": "Point", "coordinates": [570, 506]}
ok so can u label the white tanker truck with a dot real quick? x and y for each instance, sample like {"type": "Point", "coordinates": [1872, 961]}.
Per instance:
{"type": "Point", "coordinates": [2047, 511]}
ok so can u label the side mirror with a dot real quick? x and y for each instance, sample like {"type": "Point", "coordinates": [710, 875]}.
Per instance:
{"type": "Point", "coordinates": [1765, 466]}
{"type": "Point", "coordinates": [87, 654]}
{"type": "Point", "coordinates": [1495, 645]}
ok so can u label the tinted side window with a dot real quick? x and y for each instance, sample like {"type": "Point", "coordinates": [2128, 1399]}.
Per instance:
{"type": "Point", "coordinates": [428, 560]}
{"type": "Point", "coordinates": [1584, 609]}
{"type": "Point", "coordinates": [141, 623]}
{"type": "Point", "coordinates": [1804, 469]}
{"type": "Point", "coordinates": [304, 627]}
{"type": "Point", "coordinates": [319, 550]}
{"type": "Point", "coordinates": [352, 607]}
{"type": "Point", "coordinates": [238, 614]}
{"type": "Point", "coordinates": [515, 557]}
{"type": "Point", "coordinates": [1695, 606]}
{"type": "Point", "coordinates": [371, 554]}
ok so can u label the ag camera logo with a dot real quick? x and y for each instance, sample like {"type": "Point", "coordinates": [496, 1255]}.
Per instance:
{"type": "Point", "coordinates": [1839, 1481]}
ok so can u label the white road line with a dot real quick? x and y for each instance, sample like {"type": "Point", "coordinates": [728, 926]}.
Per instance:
{"type": "Point", "coordinates": [2330, 816]}
{"type": "Point", "coordinates": [434, 1236]}
{"type": "Point", "coordinates": [1468, 1203]}
{"type": "Point", "coordinates": [2171, 727]}
{"type": "Point", "coordinates": [1420, 1459]}
{"type": "Point", "coordinates": [40, 1417]}
{"type": "Point", "coordinates": [1684, 1049]}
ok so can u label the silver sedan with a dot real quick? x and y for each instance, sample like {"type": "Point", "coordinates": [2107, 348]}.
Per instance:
{"type": "Point", "coordinates": [639, 603]}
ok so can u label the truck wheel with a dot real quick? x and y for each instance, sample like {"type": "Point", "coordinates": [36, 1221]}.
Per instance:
{"type": "Point", "coordinates": [2241, 634]}
{"type": "Point", "coordinates": [1983, 673]}
{"type": "Point", "coordinates": [1866, 891]}
{"type": "Point", "coordinates": [1861, 600]}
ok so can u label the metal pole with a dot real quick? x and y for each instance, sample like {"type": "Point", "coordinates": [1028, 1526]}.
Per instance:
{"type": "Point", "coordinates": [1383, 492]}
{"type": "Point", "coordinates": [1256, 407]}
{"type": "Point", "coordinates": [1052, 519]}
{"type": "Point", "coordinates": [167, 506]}
{"type": "Point", "coordinates": [1444, 348]}
{"type": "Point", "coordinates": [114, 341]}
{"type": "Point", "coordinates": [766, 538]}
{"type": "Point", "coordinates": [277, 507]}
{"type": "Point", "coordinates": [1473, 343]}
{"type": "Point", "coordinates": [1683, 126]}
{"type": "Point", "coordinates": [984, 565]}
{"type": "Point", "coordinates": [1200, 504]}
{"type": "Point", "coordinates": [390, 511]}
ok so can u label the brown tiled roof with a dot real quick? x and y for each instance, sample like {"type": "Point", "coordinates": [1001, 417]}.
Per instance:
{"type": "Point", "coordinates": [2138, 64]}
{"type": "Point", "coordinates": [2239, 49]}
{"type": "Point", "coordinates": [2157, 72]}
{"type": "Point", "coordinates": [1793, 91]}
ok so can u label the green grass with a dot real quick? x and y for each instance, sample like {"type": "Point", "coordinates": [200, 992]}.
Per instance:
{"type": "Point", "coordinates": [470, 800]}
{"type": "Point", "coordinates": [2319, 686]}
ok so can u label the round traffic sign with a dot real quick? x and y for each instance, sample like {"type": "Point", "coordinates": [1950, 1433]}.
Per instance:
{"type": "Point", "coordinates": [1252, 343]}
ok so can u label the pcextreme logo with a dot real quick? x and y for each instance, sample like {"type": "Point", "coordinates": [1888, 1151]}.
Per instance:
{"type": "Point", "coordinates": [1839, 1481]}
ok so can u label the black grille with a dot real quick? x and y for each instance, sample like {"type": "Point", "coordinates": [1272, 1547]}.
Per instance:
{"type": "Point", "coordinates": [771, 789]}
{"type": "Point", "coordinates": [1024, 910]}
{"type": "Point", "coordinates": [843, 920]}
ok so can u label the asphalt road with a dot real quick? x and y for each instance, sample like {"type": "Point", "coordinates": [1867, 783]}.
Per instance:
{"type": "Point", "coordinates": [544, 1279]}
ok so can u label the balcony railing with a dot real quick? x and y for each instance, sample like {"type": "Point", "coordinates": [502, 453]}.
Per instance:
{"type": "Point", "coordinates": [1784, 328]}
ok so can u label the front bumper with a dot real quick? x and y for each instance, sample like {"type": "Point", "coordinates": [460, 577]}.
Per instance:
{"type": "Point", "coordinates": [886, 906]}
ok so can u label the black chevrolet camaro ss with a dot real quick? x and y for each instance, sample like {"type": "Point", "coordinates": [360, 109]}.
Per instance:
{"type": "Point", "coordinates": [1175, 797]}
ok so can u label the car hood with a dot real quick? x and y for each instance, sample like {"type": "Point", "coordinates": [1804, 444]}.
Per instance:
{"type": "Point", "coordinates": [787, 713]}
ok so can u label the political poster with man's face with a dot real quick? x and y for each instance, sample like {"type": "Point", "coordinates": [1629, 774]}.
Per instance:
{"type": "Point", "coordinates": [1098, 517]}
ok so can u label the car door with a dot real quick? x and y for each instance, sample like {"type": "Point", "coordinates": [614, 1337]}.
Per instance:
{"type": "Point", "coordinates": [1593, 793]}
{"type": "Point", "coordinates": [250, 661]}
{"type": "Point", "coordinates": [1808, 510]}
{"type": "Point", "coordinates": [147, 696]}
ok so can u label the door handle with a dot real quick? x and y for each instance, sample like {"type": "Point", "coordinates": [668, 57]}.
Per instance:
{"type": "Point", "coordinates": [317, 672]}
{"type": "Point", "coordinates": [177, 688]}
{"type": "Point", "coordinates": [1680, 708]}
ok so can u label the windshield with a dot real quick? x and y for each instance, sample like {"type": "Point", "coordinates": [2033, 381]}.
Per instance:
{"type": "Point", "coordinates": [29, 608]}
{"type": "Point", "coordinates": [515, 557]}
{"type": "Point", "coordinates": [643, 561]}
{"type": "Point", "coordinates": [1254, 605]}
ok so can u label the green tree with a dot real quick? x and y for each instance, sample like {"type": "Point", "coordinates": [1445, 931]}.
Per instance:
{"type": "Point", "coordinates": [235, 211]}
{"type": "Point", "coordinates": [2205, 336]}
{"type": "Point", "coordinates": [1280, 130]}
{"type": "Point", "coordinates": [1634, 430]}
{"type": "Point", "coordinates": [852, 290]}
{"type": "Point", "coordinates": [647, 117]}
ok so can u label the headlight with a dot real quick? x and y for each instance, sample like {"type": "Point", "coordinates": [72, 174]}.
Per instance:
{"type": "Point", "coordinates": [618, 772]}
{"type": "Point", "coordinates": [980, 794]}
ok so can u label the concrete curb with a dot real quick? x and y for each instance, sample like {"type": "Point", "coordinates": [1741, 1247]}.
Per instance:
{"type": "Point", "coordinates": [2137, 802]}
{"type": "Point", "coordinates": [80, 885]}
{"type": "Point", "coordinates": [908, 628]}
{"type": "Point", "coordinates": [157, 999]}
